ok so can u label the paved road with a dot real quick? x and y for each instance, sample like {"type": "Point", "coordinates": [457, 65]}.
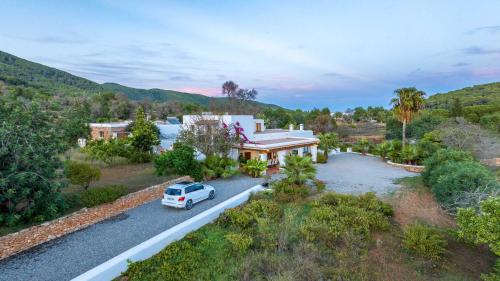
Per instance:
{"type": "Point", "coordinates": [75, 253]}
{"type": "Point", "coordinates": [354, 173]}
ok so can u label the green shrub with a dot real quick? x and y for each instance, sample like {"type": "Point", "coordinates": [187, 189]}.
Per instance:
{"type": "Point", "coordinates": [334, 215]}
{"type": "Point", "coordinates": [285, 191]}
{"type": "Point", "coordinates": [441, 157]}
{"type": "Point", "coordinates": [395, 151]}
{"type": "Point", "coordinates": [320, 185]}
{"type": "Point", "coordinates": [321, 158]}
{"type": "Point", "coordinates": [216, 166]}
{"type": "Point", "coordinates": [100, 195]}
{"type": "Point", "coordinates": [255, 167]}
{"type": "Point", "coordinates": [298, 169]}
{"type": "Point", "coordinates": [81, 173]}
{"type": "Point", "coordinates": [424, 241]}
{"type": "Point", "coordinates": [410, 155]}
{"type": "Point", "coordinates": [240, 242]}
{"type": "Point", "coordinates": [247, 215]}
{"type": "Point", "coordinates": [429, 144]}
{"type": "Point", "coordinates": [491, 121]}
{"type": "Point", "coordinates": [180, 160]}
{"type": "Point", "coordinates": [175, 262]}
{"type": "Point", "coordinates": [364, 146]}
{"type": "Point", "coordinates": [482, 227]}
{"type": "Point", "coordinates": [450, 180]}
{"type": "Point", "coordinates": [383, 149]}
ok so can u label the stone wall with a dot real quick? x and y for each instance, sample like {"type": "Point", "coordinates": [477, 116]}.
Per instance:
{"type": "Point", "coordinates": [409, 168]}
{"type": "Point", "coordinates": [17, 242]}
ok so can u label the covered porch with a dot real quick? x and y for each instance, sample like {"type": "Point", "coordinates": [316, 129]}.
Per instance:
{"type": "Point", "coordinates": [275, 151]}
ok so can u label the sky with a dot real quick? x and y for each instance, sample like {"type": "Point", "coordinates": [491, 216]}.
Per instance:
{"type": "Point", "coordinates": [297, 54]}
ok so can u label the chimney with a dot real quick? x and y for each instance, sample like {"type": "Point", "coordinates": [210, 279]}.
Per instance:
{"type": "Point", "coordinates": [301, 126]}
{"type": "Point", "coordinates": [291, 127]}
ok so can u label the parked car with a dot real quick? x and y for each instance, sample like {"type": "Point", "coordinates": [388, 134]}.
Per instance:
{"type": "Point", "coordinates": [185, 194]}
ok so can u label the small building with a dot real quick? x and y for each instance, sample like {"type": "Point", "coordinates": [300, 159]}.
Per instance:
{"type": "Point", "coordinates": [271, 145]}
{"type": "Point", "coordinates": [110, 130]}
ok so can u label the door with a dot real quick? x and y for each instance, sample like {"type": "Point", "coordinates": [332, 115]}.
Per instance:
{"type": "Point", "coordinates": [199, 192]}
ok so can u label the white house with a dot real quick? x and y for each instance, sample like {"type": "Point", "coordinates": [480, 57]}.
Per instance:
{"type": "Point", "coordinates": [271, 145]}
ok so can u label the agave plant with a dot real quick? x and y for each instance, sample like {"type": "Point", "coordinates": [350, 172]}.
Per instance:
{"type": "Point", "coordinates": [255, 167]}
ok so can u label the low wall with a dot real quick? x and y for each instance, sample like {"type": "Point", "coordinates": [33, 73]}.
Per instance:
{"type": "Point", "coordinates": [27, 238]}
{"type": "Point", "coordinates": [409, 168]}
{"type": "Point", "coordinates": [115, 266]}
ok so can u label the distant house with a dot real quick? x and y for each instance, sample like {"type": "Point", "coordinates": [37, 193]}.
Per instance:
{"type": "Point", "coordinates": [271, 145]}
{"type": "Point", "coordinates": [110, 130]}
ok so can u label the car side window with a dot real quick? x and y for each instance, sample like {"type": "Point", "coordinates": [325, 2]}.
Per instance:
{"type": "Point", "coordinates": [188, 189]}
{"type": "Point", "coordinates": [199, 186]}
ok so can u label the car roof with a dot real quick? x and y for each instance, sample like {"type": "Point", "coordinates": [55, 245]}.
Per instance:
{"type": "Point", "coordinates": [182, 184]}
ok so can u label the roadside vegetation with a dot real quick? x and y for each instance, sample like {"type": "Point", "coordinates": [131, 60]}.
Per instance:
{"type": "Point", "coordinates": [299, 232]}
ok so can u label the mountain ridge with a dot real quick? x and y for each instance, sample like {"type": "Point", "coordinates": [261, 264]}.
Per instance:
{"type": "Point", "coordinates": [16, 71]}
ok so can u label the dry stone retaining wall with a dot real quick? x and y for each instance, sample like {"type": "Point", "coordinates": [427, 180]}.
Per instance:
{"type": "Point", "coordinates": [17, 242]}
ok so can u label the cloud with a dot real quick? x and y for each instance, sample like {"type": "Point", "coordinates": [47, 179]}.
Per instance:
{"type": "Point", "coordinates": [55, 39]}
{"type": "Point", "coordinates": [490, 29]}
{"type": "Point", "coordinates": [180, 78]}
{"type": "Point", "coordinates": [475, 50]}
{"type": "Point", "coordinates": [207, 91]}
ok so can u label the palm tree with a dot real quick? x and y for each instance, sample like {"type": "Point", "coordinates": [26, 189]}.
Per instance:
{"type": "Point", "coordinates": [298, 169]}
{"type": "Point", "coordinates": [327, 141]}
{"type": "Point", "coordinates": [406, 105]}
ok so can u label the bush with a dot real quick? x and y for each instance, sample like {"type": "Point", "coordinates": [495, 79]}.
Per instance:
{"type": "Point", "coordinates": [255, 167]}
{"type": "Point", "coordinates": [441, 157]}
{"type": "Point", "coordinates": [100, 195]}
{"type": "Point", "coordinates": [335, 215]}
{"type": "Point", "coordinates": [364, 146]}
{"type": "Point", "coordinates": [216, 166]}
{"type": "Point", "coordinates": [424, 241]}
{"type": "Point", "coordinates": [429, 144]}
{"type": "Point", "coordinates": [321, 158]}
{"type": "Point", "coordinates": [395, 151]}
{"type": "Point", "coordinates": [180, 160]}
{"type": "Point", "coordinates": [450, 180]}
{"type": "Point", "coordinates": [383, 149]}
{"type": "Point", "coordinates": [81, 173]}
{"type": "Point", "coordinates": [298, 169]}
{"type": "Point", "coordinates": [285, 191]}
{"type": "Point", "coordinates": [247, 215]}
{"type": "Point", "coordinates": [240, 242]}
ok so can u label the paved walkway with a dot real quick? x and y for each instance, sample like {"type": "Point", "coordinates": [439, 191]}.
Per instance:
{"type": "Point", "coordinates": [354, 173]}
{"type": "Point", "coordinates": [75, 253]}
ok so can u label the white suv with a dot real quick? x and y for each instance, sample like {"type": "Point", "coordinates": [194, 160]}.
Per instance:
{"type": "Point", "coordinates": [185, 194]}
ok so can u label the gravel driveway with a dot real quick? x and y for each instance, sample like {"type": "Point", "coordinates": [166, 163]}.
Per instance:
{"type": "Point", "coordinates": [354, 173]}
{"type": "Point", "coordinates": [69, 256]}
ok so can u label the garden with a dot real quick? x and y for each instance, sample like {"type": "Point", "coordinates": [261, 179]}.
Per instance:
{"type": "Point", "coordinates": [297, 231]}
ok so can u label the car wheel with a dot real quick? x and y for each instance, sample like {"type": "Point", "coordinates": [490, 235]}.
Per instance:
{"type": "Point", "coordinates": [211, 195]}
{"type": "Point", "coordinates": [189, 204]}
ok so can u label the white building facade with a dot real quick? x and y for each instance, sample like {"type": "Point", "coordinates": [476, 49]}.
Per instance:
{"type": "Point", "coordinates": [271, 145]}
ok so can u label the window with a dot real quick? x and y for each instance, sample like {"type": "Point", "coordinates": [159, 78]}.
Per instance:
{"type": "Point", "coordinates": [189, 189]}
{"type": "Point", "coordinates": [198, 187]}
{"type": "Point", "coordinates": [173, 191]}
{"type": "Point", "coordinates": [101, 134]}
{"type": "Point", "coordinates": [306, 149]}
{"type": "Point", "coordinates": [248, 155]}
{"type": "Point", "coordinates": [258, 127]}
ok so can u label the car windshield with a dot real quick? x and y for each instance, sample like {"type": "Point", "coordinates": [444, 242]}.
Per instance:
{"type": "Point", "coordinates": [173, 191]}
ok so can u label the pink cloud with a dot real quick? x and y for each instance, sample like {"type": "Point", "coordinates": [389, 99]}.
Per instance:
{"type": "Point", "coordinates": [211, 92]}
{"type": "Point", "coordinates": [486, 72]}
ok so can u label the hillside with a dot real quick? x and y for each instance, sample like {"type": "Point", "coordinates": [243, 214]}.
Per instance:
{"type": "Point", "coordinates": [15, 71]}
{"type": "Point", "coordinates": [477, 95]}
